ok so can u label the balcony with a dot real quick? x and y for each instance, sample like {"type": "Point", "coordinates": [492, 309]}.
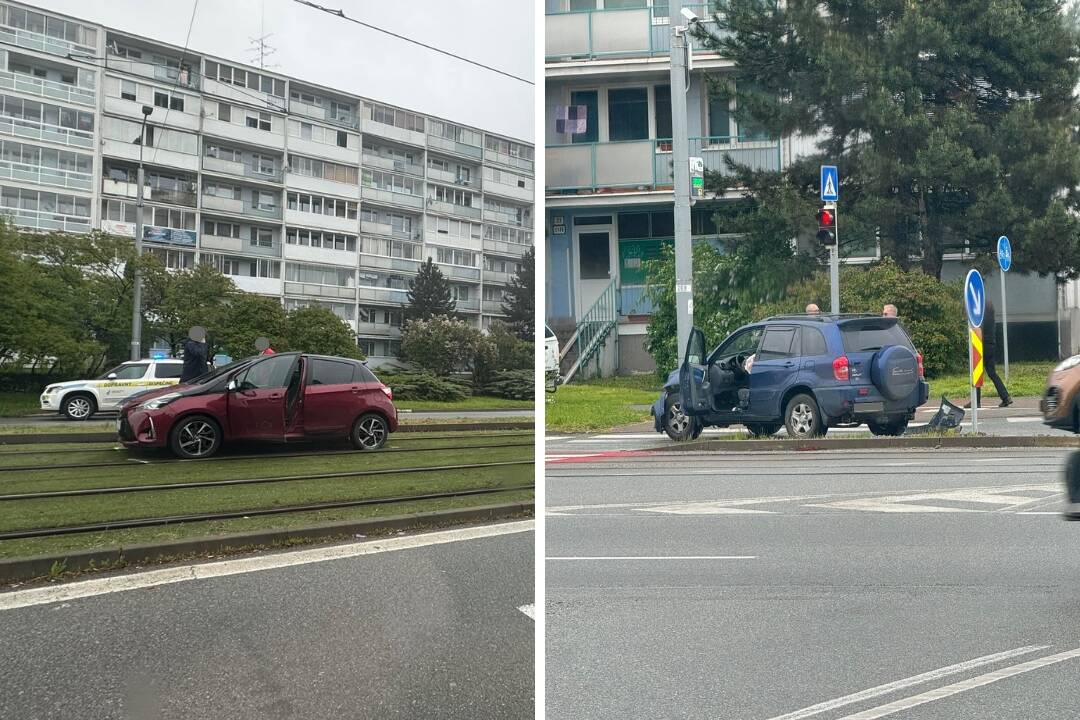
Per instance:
{"type": "Point", "coordinates": [646, 164]}
{"type": "Point", "coordinates": [370, 160]}
{"type": "Point", "coordinates": [472, 305]}
{"type": "Point", "coordinates": [443, 144]}
{"type": "Point", "coordinates": [387, 296]}
{"type": "Point", "coordinates": [326, 291]}
{"type": "Point", "coordinates": [242, 169]}
{"type": "Point", "coordinates": [305, 253]}
{"type": "Point", "coordinates": [498, 216]}
{"type": "Point", "coordinates": [446, 208]}
{"type": "Point", "coordinates": [316, 112]}
{"type": "Point", "coordinates": [46, 132]}
{"type": "Point", "coordinates": [244, 95]}
{"type": "Point", "coordinates": [109, 186]}
{"type": "Point", "coordinates": [511, 192]}
{"type": "Point", "coordinates": [128, 150]}
{"type": "Point", "coordinates": [238, 132]}
{"type": "Point", "coordinates": [613, 33]}
{"type": "Point", "coordinates": [260, 285]}
{"type": "Point", "coordinates": [49, 89]}
{"type": "Point", "coordinates": [321, 221]}
{"type": "Point", "coordinates": [43, 43]}
{"type": "Point", "coordinates": [378, 228]}
{"type": "Point", "coordinates": [368, 328]}
{"type": "Point", "coordinates": [380, 262]}
{"type": "Point", "coordinates": [188, 120]}
{"type": "Point", "coordinates": [506, 249]}
{"type": "Point", "coordinates": [188, 79]}
{"type": "Point", "coordinates": [513, 161]}
{"type": "Point", "coordinates": [46, 221]}
{"type": "Point", "coordinates": [67, 179]}
{"type": "Point", "coordinates": [451, 178]}
{"type": "Point", "coordinates": [240, 207]}
{"type": "Point", "coordinates": [242, 246]}
{"type": "Point", "coordinates": [497, 278]}
{"type": "Point", "coordinates": [328, 151]}
{"type": "Point", "coordinates": [493, 307]}
{"type": "Point", "coordinates": [459, 272]}
{"type": "Point", "coordinates": [322, 186]}
{"type": "Point", "coordinates": [387, 197]}
{"type": "Point", "coordinates": [392, 132]}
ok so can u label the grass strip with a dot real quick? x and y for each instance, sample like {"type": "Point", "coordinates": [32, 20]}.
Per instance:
{"type": "Point", "coordinates": [121, 538]}
{"type": "Point", "coordinates": [56, 512]}
{"type": "Point", "coordinates": [1026, 379]}
{"type": "Point", "coordinates": [600, 404]}
{"type": "Point", "coordinates": [475, 402]}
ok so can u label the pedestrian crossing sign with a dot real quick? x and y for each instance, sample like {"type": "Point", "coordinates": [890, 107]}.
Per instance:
{"type": "Point", "coordinates": [830, 183]}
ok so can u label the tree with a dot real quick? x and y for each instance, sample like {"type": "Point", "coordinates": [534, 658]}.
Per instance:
{"type": "Point", "coordinates": [429, 294]}
{"type": "Point", "coordinates": [519, 298]}
{"type": "Point", "coordinates": [176, 301]}
{"type": "Point", "coordinates": [443, 344]}
{"type": "Point", "coordinates": [246, 318]}
{"type": "Point", "coordinates": [318, 330]}
{"type": "Point", "coordinates": [952, 122]}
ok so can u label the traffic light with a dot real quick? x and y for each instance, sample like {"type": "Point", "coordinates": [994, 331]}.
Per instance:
{"type": "Point", "coordinates": [826, 220]}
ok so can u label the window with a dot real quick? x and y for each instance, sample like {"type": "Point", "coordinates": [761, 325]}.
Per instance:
{"type": "Point", "coordinates": [252, 122]}
{"type": "Point", "coordinates": [777, 343]}
{"type": "Point", "coordinates": [450, 256]}
{"type": "Point", "coordinates": [264, 122]}
{"type": "Point", "coordinates": [305, 130]}
{"type": "Point", "coordinates": [813, 342]}
{"type": "Point", "coordinates": [744, 342]}
{"type": "Point", "coordinates": [221, 229]}
{"type": "Point", "coordinates": [628, 114]}
{"type": "Point", "coordinates": [161, 99]}
{"type": "Point", "coordinates": [594, 256]}
{"type": "Point", "coordinates": [168, 370]}
{"type": "Point", "coordinates": [720, 118]}
{"type": "Point", "coordinates": [329, 372]}
{"type": "Point", "coordinates": [588, 98]}
{"type": "Point", "coordinates": [342, 138]}
{"type": "Point", "coordinates": [128, 90]}
{"type": "Point", "coordinates": [129, 372]}
{"type": "Point", "coordinates": [262, 237]}
{"type": "Point", "coordinates": [176, 102]}
{"type": "Point", "coordinates": [273, 372]}
{"type": "Point", "coordinates": [224, 112]}
{"type": "Point", "coordinates": [662, 114]}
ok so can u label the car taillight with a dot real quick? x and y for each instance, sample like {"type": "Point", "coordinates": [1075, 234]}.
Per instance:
{"type": "Point", "coordinates": [840, 369]}
{"type": "Point", "coordinates": [388, 391]}
{"type": "Point", "coordinates": [922, 370]}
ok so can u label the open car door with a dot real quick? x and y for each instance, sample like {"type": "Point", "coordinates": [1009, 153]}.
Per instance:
{"type": "Point", "coordinates": [693, 376]}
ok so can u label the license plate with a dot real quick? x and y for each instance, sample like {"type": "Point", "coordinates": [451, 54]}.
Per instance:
{"type": "Point", "coordinates": [869, 407]}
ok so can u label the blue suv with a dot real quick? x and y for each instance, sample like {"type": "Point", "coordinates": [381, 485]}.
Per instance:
{"type": "Point", "coordinates": [804, 372]}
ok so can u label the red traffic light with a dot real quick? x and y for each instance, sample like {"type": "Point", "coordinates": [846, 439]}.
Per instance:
{"type": "Point", "coordinates": [826, 218]}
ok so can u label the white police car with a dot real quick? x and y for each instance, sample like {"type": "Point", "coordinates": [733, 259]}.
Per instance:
{"type": "Point", "coordinates": [79, 399]}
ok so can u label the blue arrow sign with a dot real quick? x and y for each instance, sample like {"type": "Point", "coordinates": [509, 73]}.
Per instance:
{"type": "Point", "coordinates": [830, 184]}
{"type": "Point", "coordinates": [1004, 253]}
{"type": "Point", "coordinates": [975, 298]}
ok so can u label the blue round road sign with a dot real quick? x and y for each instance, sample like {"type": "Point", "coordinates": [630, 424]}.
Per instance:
{"type": "Point", "coordinates": [1004, 253]}
{"type": "Point", "coordinates": [974, 298]}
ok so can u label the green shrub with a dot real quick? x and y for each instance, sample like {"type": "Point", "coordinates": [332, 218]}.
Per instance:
{"type": "Point", "coordinates": [424, 385]}
{"type": "Point", "coordinates": [510, 384]}
{"type": "Point", "coordinates": [441, 344]}
{"type": "Point", "coordinates": [931, 311]}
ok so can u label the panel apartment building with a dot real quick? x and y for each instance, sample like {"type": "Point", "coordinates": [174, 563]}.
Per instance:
{"type": "Point", "coordinates": [294, 190]}
{"type": "Point", "coordinates": [609, 189]}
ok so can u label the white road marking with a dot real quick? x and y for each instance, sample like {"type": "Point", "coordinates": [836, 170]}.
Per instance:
{"type": "Point", "coordinates": [1023, 419]}
{"type": "Point", "coordinates": [962, 686]}
{"type": "Point", "coordinates": [184, 573]}
{"type": "Point", "coordinates": [919, 503]}
{"type": "Point", "coordinates": [529, 610]}
{"type": "Point", "coordinates": [550, 438]}
{"type": "Point", "coordinates": [655, 557]}
{"type": "Point", "coordinates": [887, 688]}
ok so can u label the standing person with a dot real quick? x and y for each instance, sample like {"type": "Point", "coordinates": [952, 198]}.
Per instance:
{"type": "Point", "coordinates": [262, 346]}
{"type": "Point", "coordinates": [195, 356]}
{"type": "Point", "coordinates": [888, 311]}
{"type": "Point", "coordinates": [989, 328]}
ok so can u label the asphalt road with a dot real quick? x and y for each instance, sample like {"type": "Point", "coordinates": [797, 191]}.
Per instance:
{"type": "Point", "coordinates": [433, 631]}
{"type": "Point", "coordinates": [928, 585]}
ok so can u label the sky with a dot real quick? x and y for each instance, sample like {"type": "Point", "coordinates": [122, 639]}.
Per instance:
{"type": "Point", "coordinates": [321, 48]}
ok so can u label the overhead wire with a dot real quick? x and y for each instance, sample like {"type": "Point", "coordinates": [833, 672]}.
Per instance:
{"type": "Point", "coordinates": [179, 70]}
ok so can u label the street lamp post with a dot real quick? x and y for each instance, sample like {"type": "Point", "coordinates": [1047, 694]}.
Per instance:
{"type": "Point", "coordinates": [680, 160]}
{"type": "Point", "coordinates": [136, 299]}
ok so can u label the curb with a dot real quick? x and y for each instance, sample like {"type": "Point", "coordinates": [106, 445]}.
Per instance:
{"type": "Point", "coordinates": [933, 443]}
{"type": "Point", "coordinates": [89, 437]}
{"type": "Point", "coordinates": [41, 565]}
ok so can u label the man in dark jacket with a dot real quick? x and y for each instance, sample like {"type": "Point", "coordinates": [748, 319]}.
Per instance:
{"type": "Point", "coordinates": [194, 358]}
{"type": "Point", "coordinates": [989, 329]}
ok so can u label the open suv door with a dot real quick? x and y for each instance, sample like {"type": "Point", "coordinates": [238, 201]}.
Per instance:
{"type": "Point", "coordinates": [694, 376]}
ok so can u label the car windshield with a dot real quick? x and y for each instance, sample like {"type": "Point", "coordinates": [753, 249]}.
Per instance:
{"type": "Point", "coordinates": [105, 375]}
{"type": "Point", "coordinates": [218, 372]}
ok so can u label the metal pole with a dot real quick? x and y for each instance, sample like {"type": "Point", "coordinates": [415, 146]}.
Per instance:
{"type": "Point", "coordinates": [834, 267]}
{"type": "Point", "coordinates": [1005, 326]}
{"type": "Point", "coordinates": [136, 297]}
{"type": "Point", "coordinates": [680, 156]}
{"type": "Point", "coordinates": [971, 378]}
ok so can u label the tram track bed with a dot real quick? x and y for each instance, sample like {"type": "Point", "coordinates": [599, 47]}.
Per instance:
{"type": "Point", "coordinates": [242, 493]}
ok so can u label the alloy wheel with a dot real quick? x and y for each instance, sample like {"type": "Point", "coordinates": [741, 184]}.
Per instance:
{"type": "Point", "coordinates": [678, 421]}
{"type": "Point", "coordinates": [371, 432]}
{"type": "Point", "coordinates": [78, 408]}
{"type": "Point", "coordinates": [197, 438]}
{"type": "Point", "coordinates": [802, 419]}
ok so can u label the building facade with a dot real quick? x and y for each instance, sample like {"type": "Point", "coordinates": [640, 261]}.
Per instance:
{"type": "Point", "coordinates": [609, 187]}
{"type": "Point", "coordinates": [292, 189]}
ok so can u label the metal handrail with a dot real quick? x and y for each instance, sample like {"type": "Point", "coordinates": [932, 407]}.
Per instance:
{"type": "Point", "coordinates": [593, 328]}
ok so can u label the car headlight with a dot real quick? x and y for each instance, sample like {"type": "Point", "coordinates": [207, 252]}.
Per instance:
{"type": "Point", "coordinates": [160, 402]}
{"type": "Point", "coordinates": [52, 389]}
{"type": "Point", "coordinates": [1068, 364]}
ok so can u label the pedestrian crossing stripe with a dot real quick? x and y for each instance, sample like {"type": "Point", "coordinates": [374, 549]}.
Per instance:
{"type": "Point", "coordinates": [977, 374]}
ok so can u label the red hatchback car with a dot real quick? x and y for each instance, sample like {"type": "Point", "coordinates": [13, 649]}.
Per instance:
{"type": "Point", "coordinates": [282, 398]}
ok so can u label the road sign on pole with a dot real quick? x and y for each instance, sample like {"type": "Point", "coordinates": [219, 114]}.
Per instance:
{"type": "Point", "coordinates": [1004, 253]}
{"type": "Point", "coordinates": [975, 305]}
{"type": "Point", "coordinates": [830, 184]}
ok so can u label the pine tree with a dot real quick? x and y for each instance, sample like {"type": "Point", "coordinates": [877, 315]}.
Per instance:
{"type": "Point", "coordinates": [429, 294]}
{"type": "Point", "coordinates": [951, 122]}
{"type": "Point", "coordinates": [519, 298]}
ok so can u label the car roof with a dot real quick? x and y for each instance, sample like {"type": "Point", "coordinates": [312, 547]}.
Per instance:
{"type": "Point", "coordinates": [823, 317]}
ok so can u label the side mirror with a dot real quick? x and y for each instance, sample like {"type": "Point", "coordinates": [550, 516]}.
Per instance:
{"type": "Point", "coordinates": [112, 376]}
{"type": "Point", "coordinates": [232, 386]}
